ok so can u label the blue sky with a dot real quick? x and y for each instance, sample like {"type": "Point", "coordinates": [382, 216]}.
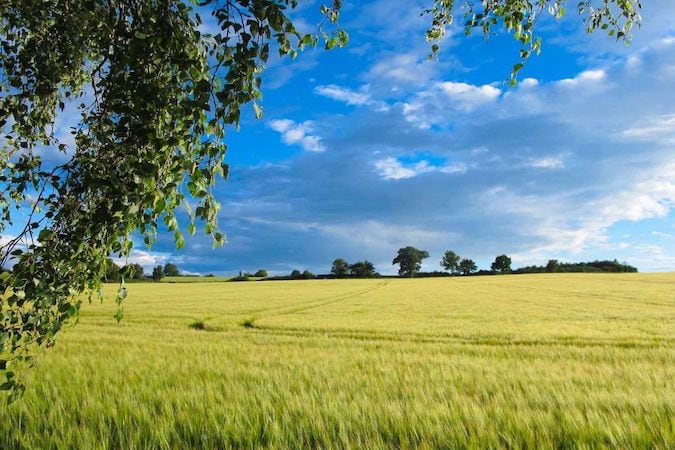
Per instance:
{"type": "Point", "coordinates": [370, 148]}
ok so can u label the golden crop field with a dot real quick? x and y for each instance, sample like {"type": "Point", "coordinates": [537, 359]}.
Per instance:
{"type": "Point", "coordinates": [531, 361]}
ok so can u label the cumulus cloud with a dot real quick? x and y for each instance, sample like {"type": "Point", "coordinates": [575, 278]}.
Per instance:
{"type": "Point", "coordinates": [585, 77]}
{"type": "Point", "coordinates": [468, 97]}
{"type": "Point", "coordinates": [433, 106]}
{"type": "Point", "coordinates": [293, 133]}
{"type": "Point", "coordinates": [529, 82]}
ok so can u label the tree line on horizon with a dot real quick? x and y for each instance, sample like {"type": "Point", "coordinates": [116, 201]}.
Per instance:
{"type": "Point", "coordinates": [409, 259]}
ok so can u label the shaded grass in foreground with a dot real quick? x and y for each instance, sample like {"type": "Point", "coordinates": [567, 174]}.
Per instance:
{"type": "Point", "coordinates": [560, 361]}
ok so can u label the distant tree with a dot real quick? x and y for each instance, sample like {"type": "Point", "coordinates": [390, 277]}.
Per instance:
{"type": "Point", "coordinates": [307, 275]}
{"type": "Point", "coordinates": [340, 268]}
{"type": "Point", "coordinates": [409, 260]}
{"type": "Point", "coordinates": [296, 274]}
{"type": "Point", "coordinates": [467, 266]}
{"type": "Point", "coordinates": [112, 271]}
{"type": "Point", "coordinates": [261, 273]}
{"type": "Point", "coordinates": [450, 261]}
{"type": "Point", "coordinates": [133, 271]}
{"type": "Point", "coordinates": [157, 273]}
{"type": "Point", "coordinates": [583, 267]}
{"type": "Point", "coordinates": [552, 265]}
{"type": "Point", "coordinates": [171, 270]}
{"type": "Point", "coordinates": [502, 264]}
{"type": "Point", "coordinates": [362, 269]}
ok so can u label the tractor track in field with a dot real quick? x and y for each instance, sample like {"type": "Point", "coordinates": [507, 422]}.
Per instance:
{"type": "Point", "coordinates": [328, 301]}
{"type": "Point", "coordinates": [310, 304]}
{"type": "Point", "coordinates": [491, 341]}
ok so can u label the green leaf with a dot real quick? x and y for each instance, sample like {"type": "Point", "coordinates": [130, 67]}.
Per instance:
{"type": "Point", "coordinates": [258, 110]}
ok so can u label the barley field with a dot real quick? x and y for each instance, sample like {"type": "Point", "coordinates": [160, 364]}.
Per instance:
{"type": "Point", "coordinates": [531, 361]}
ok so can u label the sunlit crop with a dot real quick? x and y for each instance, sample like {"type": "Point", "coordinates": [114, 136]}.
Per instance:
{"type": "Point", "coordinates": [505, 361]}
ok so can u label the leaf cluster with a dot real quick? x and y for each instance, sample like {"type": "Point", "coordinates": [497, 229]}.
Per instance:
{"type": "Point", "coordinates": [520, 17]}
{"type": "Point", "coordinates": [154, 97]}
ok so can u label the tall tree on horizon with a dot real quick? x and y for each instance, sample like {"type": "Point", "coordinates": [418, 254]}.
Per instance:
{"type": "Point", "coordinates": [467, 266]}
{"type": "Point", "coordinates": [450, 261]}
{"type": "Point", "coordinates": [502, 264]}
{"type": "Point", "coordinates": [409, 260]}
{"type": "Point", "coordinates": [340, 268]}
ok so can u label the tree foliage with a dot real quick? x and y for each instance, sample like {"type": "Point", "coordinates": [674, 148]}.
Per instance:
{"type": "Point", "coordinates": [340, 268]}
{"type": "Point", "coordinates": [555, 266]}
{"type": "Point", "coordinates": [467, 266]}
{"type": "Point", "coordinates": [409, 260]}
{"type": "Point", "coordinates": [501, 264]}
{"type": "Point", "coordinates": [616, 17]}
{"type": "Point", "coordinates": [132, 271]}
{"type": "Point", "coordinates": [552, 265]}
{"type": "Point", "coordinates": [155, 97]}
{"type": "Point", "coordinates": [112, 271]}
{"type": "Point", "coordinates": [362, 269]}
{"type": "Point", "coordinates": [171, 270]}
{"type": "Point", "coordinates": [450, 261]}
{"type": "Point", "coordinates": [157, 273]}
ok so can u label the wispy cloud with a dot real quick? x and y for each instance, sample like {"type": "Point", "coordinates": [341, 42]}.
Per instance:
{"type": "Point", "coordinates": [548, 162]}
{"type": "Point", "coordinates": [653, 129]}
{"type": "Point", "coordinates": [392, 169]}
{"type": "Point", "coordinates": [343, 94]}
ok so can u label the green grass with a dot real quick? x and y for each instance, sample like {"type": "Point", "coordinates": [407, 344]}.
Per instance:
{"type": "Point", "coordinates": [542, 361]}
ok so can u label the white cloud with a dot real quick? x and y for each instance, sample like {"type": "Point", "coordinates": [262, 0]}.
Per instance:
{"type": "Point", "coordinates": [529, 82]}
{"type": "Point", "coordinates": [444, 100]}
{"type": "Point", "coordinates": [393, 169]}
{"type": "Point", "coordinates": [549, 162]}
{"type": "Point", "coordinates": [667, 41]}
{"type": "Point", "coordinates": [405, 68]}
{"type": "Point", "coordinates": [6, 239]}
{"type": "Point", "coordinates": [298, 133]}
{"type": "Point", "coordinates": [585, 77]}
{"type": "Point", "coordinates": [654, 197]}
{"type": "Point", "coordinates": [145, 258]}
{"type": "Point", "coordinates": [561, 223]}
{"type": "Point", "coordinates": [468, 97]}
{"type": "Point", "coordinates": [652, 129]}
{"type": "Point", "coordinates": [343, 94]}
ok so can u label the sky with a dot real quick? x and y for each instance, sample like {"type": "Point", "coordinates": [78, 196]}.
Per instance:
{"type": "Point", "coordinates": [370, 148]}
